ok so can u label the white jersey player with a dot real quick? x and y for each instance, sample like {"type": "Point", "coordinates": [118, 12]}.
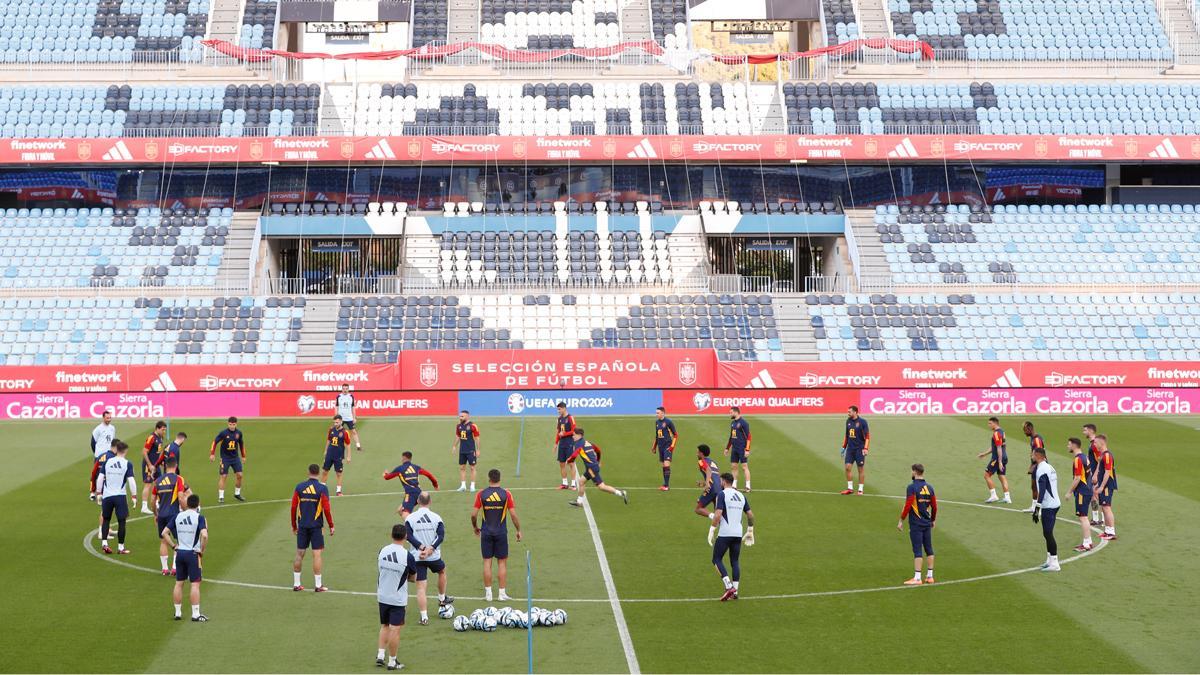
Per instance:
{"type": "Point", "coordinates": [115, 477]}
{"type": "Point", "coordinates": [426, 532]}
{"type": "Point", "coordinates": [1047, 505]}
{"type": "Point", "coordinates": [726, 534]}
{"type": "Point", "coordinates": [346, 408]}
{"type": "Point", "coordinates": [103, 435]}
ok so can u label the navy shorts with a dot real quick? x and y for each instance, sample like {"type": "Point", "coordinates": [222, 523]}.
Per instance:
{"type": "Point", "coordinates": [592, 472]}
{"type": "Point", "coordinates": [116, 505]}
{"type": "Point", "coordinates": [855, 456]}
{"type": "Point", "coordinates": [161, 523]}
{"type": "Point", "coordinates": [333, 460]}
{"type": "Point", "coordinates": [410, 501]}
{"type": "Point", "coordinates": [665, 453]}
{"type": "Point", "coordinates": [228, 464]}
{"type": "Point", "coordinates": [150, 473]}
{"type": "Point", "coordinates": [391, 615]}
{"type": "Point", "coordinates": [1083, 500]}
{"type": "Point", "coordinates": [565, 452]}
{"type": "Point", "coordinates": [349, 424]}
{"type": "Point", "coordinates": [310, 537]}
{"type": "Point", "coordinates": [1106, 495]}
{"type": "Point", "coordinates": [467, 458]}
{"type": "Point", "coordinates": [424, 567]}
{"type": "Point", "coordinates": [994, 467]}
{"type": "Point", "coordinates": [493, 545]}
{"type": "Point", "coordinates": [738, 456]}
{"type": "Point", "coordinates": [922, 540]}
{"type": "Point", "coordinates": [187, 566]}
{"type": "Point", "coordinates": [731, 544]}
{"type": "Point", "coordinates": [707, 498]}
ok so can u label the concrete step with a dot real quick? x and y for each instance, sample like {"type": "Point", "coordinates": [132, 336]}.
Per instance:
{"type": "Point", "coordinates": [235, 261]}
{"type": "Point", "coordinates": [462, 21]}
{"type": "Point", "coordinates": [795, 328]}
{"type": "Point", "coordinates": [635, 21]}
{"type": "Point", "coordinates": [320, 324]}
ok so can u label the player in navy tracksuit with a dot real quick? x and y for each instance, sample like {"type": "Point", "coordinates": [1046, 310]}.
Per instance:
{"type": "Point", "coordinates": [410, 479]}
{"type": "Point", "coordinates": [169, 491]}
{"type": "Point", "coordinates": [564, 442]}
{"type": "Point", "coordinates": [738, 447]}
{"type": "Point", "coordinates": [710, 481]}
{"type": "Point", "coordinates": [920, 508]}
{"type": "Point", "coordinates": [231, 443]}
{"type": "Point", "coordinates": [665, 437]}
{"type": "Point", "coordinates": [337, 442]}
{"type": "Point", "coordinates": [310, 511]}
{"type": "Point", "coordinates": [855, 446]}
{"type": "Point", "coordinates": [497, 506]}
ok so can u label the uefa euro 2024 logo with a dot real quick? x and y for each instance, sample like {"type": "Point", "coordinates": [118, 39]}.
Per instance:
{"type": "Point", "coordinates": [516, 403]}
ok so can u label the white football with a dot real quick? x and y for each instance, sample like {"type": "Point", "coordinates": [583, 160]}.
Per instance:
{"type": "Point", "coordinates": [489, 624]}
{"type": "Point", "coordinates": [560, 616]}
{"type": "Point", "coordinates": [461, 623]}
{"type": "Point", "coordinates": [446, 611]}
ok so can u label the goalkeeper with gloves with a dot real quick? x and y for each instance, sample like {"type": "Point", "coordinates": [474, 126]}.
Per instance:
{"type": "Point", "coordinates": [726, 534]}
{"type": "Point", "coordinates": [1045, 510]}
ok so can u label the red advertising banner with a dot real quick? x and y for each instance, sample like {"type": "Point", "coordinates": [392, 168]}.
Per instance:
{"type": "Point", "coordinates": [951, 374]}
{"type": "Point", "coordinates": [555, 369]}
{"type": "Point", "coordinates": [637, 149]}
{"type": "Point", "coordinates": [169, 378]}
{"type": "Point", "coordinates": [366, 404]}
{"type": "Point", "coordinates": [751, 402]}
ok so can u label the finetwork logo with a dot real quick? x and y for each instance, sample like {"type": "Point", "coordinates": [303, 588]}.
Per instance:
{"type": "Point", "coordinates": [762, 380]}
{"type": "Point", "coordinates": [382, 150]}
{"type": "Point", "coordinates": [1008, 379]}
{"type": "Point", "coordinates": [118, 153]}
{"type": "Point", "coordinates": [904, 150]}
{"type": "Point", "coordinates": [643, 150]}
{"type": "Point", "coordinates": [162, 383]}
{"type": "Point", "coordinates": [1165, 150]}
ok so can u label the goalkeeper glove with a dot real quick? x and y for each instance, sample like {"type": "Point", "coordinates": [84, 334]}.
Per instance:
{"type": "Point", "coordinates": [749, 538]}
{"type": "Point", "coordinates": [712, 535]}
{"type": "Point", "coordinates": [1036, 511]}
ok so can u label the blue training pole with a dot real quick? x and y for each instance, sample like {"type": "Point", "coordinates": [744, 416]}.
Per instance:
{"type": "Point", "coordinates": [520, 444]}
{"type": "Point", "coordinates": [529, 600]}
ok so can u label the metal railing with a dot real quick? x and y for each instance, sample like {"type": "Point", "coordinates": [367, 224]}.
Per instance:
{"type": "Point", "coordinates": [382, 285]}
{"type": "Point", "coordinates": [215, 290]}
{"type": "Point", "coordinates": [564, 66]}
{"type": "Point", "coordinates": [420, 283]}
{"type": "Point", "coordinates": [887, 284]}
{"type": "Point", "coordinates": [173, 59]}
{"type": "Point", "coordinates": [208, 131]}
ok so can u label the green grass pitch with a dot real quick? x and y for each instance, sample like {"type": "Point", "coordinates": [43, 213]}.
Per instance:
{"type": "Point", "coordinates": [1132, 606]}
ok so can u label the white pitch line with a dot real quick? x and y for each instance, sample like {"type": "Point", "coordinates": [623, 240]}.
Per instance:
{"type": "Point", "coordinates": [90, 548]}
{"type": "Point", "coordinates": [618, 614]}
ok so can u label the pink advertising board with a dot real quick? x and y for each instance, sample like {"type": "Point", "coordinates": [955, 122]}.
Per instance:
{"type": "Point", "coordinates": [140, 405]}
{"type": "Point", "coordinates": [1007, 401]}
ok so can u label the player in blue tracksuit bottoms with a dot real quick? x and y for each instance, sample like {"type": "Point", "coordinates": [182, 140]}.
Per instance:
{"type": "Point", "coordinates": [1047, 506]}
{"type": "Point", "coordinates": [920, 508]}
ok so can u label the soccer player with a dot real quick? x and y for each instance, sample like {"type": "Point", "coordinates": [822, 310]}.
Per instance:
{"type": "Point", "coordinates": [1106, 485]}
{"type": "Point", "coordinates": [1093, 455]}
{"type": "Point", "coordinates": [497, 505]}
{"type": "Point", "coordinates": [337, 448]}
{"type": "Point", "coordinates": [726, 535]}
{"type": "Point", "coordinates": [920, 508]}
{"type": "Point", "coordinates": [310, 511]}
{"type": "Point", "coordinates": [855, 446]}
{"type": "Point", "coordinates": [738, 447]}
{"type": "Point", "coordinates": [710, 481]}
{"type": "Point", "coordinates": [998, 464]}
{"type": "Point", "coordinates": [188, 535]}
{"type": "Point", "coordinates": [1081, 489]}
{"type": "Point", "coordinates": [115, 475]}
{"type": "Point", "coordinates": [232, 445]}
{"type": "Point", "coordinates": [397, 568]}
{"type": "Point", "coordinates": [1035, 442]}
{"type": "Point", "coordinates": [410, 479]}
{"type": "Point", "coordinates": [466, 440]}
{"type": "Point", "coordinates": [93, 493]}
{"type": "Point", "coordinates": [175, 451]}
{"type": "Point", "coordinates": [345, 407]}
{"type": "Point", "coordinates": [665, 437]}
{"type": "Point", "coordinates": [152, 456]}
{"type": "Point", "coordinates": [590, 455]}
{"type": "Point", "coordinates": [426, 532]}
{"type": "Point", "coordinates": [1047, 507]}
{"type": "Point", "coordinates": [170, 492]}
{"type": "Point", "coordinates": [103, 435]}
{"type": "Point", "coordinates": [565, 442]}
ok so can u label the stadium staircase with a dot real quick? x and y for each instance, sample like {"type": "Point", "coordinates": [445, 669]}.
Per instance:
{"type": "Point", "coordinates": [320, 324]}
{"type": "Point", "coordinates": [462, 21]}
{"type": "Point", "coordinates": [235, 261]}
{"type": "Point", "coordinates": [873, 19]}
{"type": "Point", "coordinates": [1177, 19]}
{"type": "Point", "coordinates": [225, 19]}
{"type": "Point", "coordinates": [795, 328]}
{"type": "Point", "coordinates": [330, 114]}
{"type": "Point", "coordinates": [635, 21]}
{"type": "Point", "coordinates": [873, 266]}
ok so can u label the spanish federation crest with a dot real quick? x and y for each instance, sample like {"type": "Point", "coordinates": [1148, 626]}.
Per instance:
{"type": "Point", "coordinates": [414, 149]}
{"type": "Point", "coordinates": [429, 374]}
{"type": "Point", "coordinates": [781, 148]}
{"type": "Point", "coordinates": [687, 372]}
{"type": "Point", "coordinates": [256, 150]}
{"type": "Point", "coordinates": [610, 148]}
{"type": "Point", "coordinates": [84, 150]}
{"type": "Point", "coordinates": [676, 147]}
{"type": "Point", "coordinates": [518, 148]}
{"type": "Point", "coordinates": [346, 147]}
{"type": "Point", "coordinates": [1131, 148]}
{"type": "Point", "coordinates": [1041, 148]}
{"type": "Point", "coordinates": [871, 147]}
{"type": "Point", "coordinates": [937, 147]}
{"type": "Point", "coordinates": [151, 149]}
